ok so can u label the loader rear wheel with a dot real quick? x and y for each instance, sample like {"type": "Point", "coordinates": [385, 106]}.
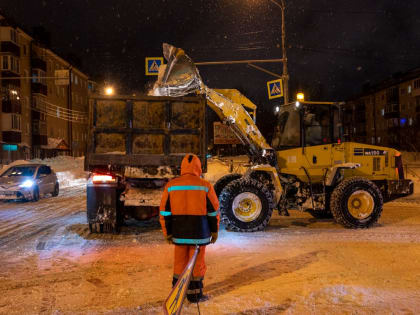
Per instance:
{"type": "Point", "coordinates": [223, 181]}
{"type": "Point", "coordinates": [356, 203]}
{"type": "Point", "coordinates": [246, 205]}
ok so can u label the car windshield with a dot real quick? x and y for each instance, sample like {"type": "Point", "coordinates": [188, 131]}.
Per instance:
{"type": "Point", "coordinates": [19, 171]}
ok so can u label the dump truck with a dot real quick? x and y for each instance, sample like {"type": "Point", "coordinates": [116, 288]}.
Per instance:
{"type": "Point", "coordinates": [307, 166]}
{"type": "Point", "coordinates": [135, 145]}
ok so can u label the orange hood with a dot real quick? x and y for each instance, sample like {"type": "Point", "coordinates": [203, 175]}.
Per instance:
{"type": "Point", "coordinates": [191, 164]}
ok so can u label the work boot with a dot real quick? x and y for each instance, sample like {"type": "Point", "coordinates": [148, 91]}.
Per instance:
{"type": "Point", "coordinates": [196, 298]}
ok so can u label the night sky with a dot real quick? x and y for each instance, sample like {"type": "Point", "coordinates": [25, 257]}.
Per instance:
{"type": "Point", "coordinates": [334, 47]}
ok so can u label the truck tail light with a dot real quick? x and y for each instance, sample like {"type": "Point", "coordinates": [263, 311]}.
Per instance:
{"type": "Point", "coordinates": [103, 179]}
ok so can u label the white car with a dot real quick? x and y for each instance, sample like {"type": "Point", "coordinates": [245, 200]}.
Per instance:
{"type": "Point", "coordinates": [28, 182]}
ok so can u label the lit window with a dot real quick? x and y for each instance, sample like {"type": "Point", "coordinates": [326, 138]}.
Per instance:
{"type": "Point", "coordinates": [409, 89]}
{"type": "Point", "coordinates": [383, 112]}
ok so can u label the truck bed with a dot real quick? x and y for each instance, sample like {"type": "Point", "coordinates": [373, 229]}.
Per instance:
{"type": "Point", "coordinates": [145, 132]}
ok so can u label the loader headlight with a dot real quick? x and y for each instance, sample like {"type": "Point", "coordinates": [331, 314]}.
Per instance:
{"type": "Point", "coordinates": [27, 184]}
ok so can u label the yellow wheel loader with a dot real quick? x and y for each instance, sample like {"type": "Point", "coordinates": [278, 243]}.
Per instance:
{"type": "Point", "coordinates": [307, 167]}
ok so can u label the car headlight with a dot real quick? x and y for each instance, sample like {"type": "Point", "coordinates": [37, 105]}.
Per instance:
{"type": "Point", "coordinates": [27, 184]}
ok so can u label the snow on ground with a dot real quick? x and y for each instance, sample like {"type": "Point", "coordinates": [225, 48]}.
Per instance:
{"type": "Point", "coordinates": [298, 265]}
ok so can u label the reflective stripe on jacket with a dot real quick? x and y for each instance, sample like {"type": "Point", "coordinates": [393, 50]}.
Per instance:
{"type": "Point", "coordinates": [189, 206]}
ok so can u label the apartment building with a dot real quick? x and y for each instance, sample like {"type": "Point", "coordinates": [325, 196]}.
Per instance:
{"type": "Point", "coordinates": [41, 116]}
{"type": "Point", "coordinates": [388, 113]}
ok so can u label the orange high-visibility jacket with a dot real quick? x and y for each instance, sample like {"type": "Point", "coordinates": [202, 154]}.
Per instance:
{"type": "Point", "coordinates": [189, 206]}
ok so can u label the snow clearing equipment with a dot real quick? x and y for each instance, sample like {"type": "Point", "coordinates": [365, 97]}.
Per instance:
{"type": "Point", "coordinates": [307, 167]}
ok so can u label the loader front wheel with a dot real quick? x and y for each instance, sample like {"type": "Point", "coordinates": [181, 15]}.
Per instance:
{"type": "Point", "coordinates": [246, 205]}
{"type": "Point", "coordinates": [356, 203]}
{"type": "Point", "coordinates": [223, 181]}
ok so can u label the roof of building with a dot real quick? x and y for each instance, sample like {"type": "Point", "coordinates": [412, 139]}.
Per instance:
{"type": "Point", "coordinates": [393, 80]}
{"type": "Point", "coordinates": [56, 144]}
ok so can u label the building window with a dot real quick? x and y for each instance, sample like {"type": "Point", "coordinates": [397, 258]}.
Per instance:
{"type": "Point", "coordinates": [16, 122]}
{"type": "Point", "coordinates": [38, 76]}
{"type": "Point", "coordinates": [409, 89]}
{"type": "Point", "coordinates": [417, 84]}
{"type": "Point", "coordinates": [76, 79]}
{"type": "Point", "coordinates": [10, 63]}
{"type": "Point", "coordinates": [24, 50]}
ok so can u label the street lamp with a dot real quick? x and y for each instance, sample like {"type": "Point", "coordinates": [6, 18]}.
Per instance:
{"type": "Point", "coordinates": [109, 90]}
{"type": "Point", "coordinates": [300, 97]}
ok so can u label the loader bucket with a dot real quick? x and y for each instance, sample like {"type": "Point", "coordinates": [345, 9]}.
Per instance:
{"type": "Point", "coordinates": [179, 76]}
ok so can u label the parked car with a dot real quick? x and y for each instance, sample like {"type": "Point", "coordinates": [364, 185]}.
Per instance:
{"type": "Point", "coordinates": [28, 182]}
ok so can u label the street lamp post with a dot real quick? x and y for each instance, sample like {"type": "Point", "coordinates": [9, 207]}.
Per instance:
{"type": "Point", "coordinates": [282, 6]}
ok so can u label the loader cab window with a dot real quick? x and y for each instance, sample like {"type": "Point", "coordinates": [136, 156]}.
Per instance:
{"type": "Point", "coordinates": [321, 124]}
{"type": "Point", "coordinates": [287, 130]}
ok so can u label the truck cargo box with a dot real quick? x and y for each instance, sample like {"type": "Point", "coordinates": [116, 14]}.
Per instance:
{"type": "Point", "coordinates": [145, 133]}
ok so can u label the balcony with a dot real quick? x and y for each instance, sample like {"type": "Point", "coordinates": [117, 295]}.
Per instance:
{"type": "Point", "coordinates": [11, 106]}
{"type": "Point", "coordinates": [38, 63]}
{"type": "Point", "coordinates": [39, 88]}
{"type": "Point", "coordinates": [12, 136]}
{"type": "Point", "coordinates": [5, 74]}
{"type": "Point", "coordinates": [392, 111]}
{"type": "Point", "coordinates": [10, 47]}
{"type": "Point", "coordinates": [39, 140]}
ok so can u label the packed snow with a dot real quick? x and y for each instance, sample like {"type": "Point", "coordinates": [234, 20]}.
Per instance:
{"type": "Point", "coordinates": [298, 265]}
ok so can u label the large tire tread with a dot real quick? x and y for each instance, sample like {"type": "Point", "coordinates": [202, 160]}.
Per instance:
{"type": "Point", "coordinates": [242, 185]}
{"type": "Point", "coordinates": [223, 181]}
{"type": "Point", "coordinates": [342, 189]}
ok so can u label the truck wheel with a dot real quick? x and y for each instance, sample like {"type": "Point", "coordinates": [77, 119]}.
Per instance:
{"type": "Point", "coordinates": [356, 203]}
{"type": "Point", "coordinates": [224, 181]}
{"type": "Point", "coordinates": [246, 205]}
{"type": "Point", "coordinates": [96, 228]}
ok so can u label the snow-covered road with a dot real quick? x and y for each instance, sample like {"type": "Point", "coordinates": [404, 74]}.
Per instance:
{"type": "Point", "coordinates": [51, 264]}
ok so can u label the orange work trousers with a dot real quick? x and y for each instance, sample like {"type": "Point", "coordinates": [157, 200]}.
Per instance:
{"type": "Point", "coordinates": [183, 254]}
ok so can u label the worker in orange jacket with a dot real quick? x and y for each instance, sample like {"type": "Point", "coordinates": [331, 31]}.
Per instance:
{"type": "Point", "coordinates": [189, 216]}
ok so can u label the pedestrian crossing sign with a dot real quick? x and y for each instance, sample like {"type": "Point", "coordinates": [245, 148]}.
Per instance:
{"type": "Point", "coordinates": [153, 64]}
{"type": "Point", "coordinates": [275, 88]}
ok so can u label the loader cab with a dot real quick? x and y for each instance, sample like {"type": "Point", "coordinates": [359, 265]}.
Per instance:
{"type": "Point", "coordinates": [306, 125]}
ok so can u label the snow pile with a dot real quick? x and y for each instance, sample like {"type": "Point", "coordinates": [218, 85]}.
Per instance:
{"type": "Point", "coordinates": [217, 167]}
{"type": "Point", "coordinates": [69, 170]}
